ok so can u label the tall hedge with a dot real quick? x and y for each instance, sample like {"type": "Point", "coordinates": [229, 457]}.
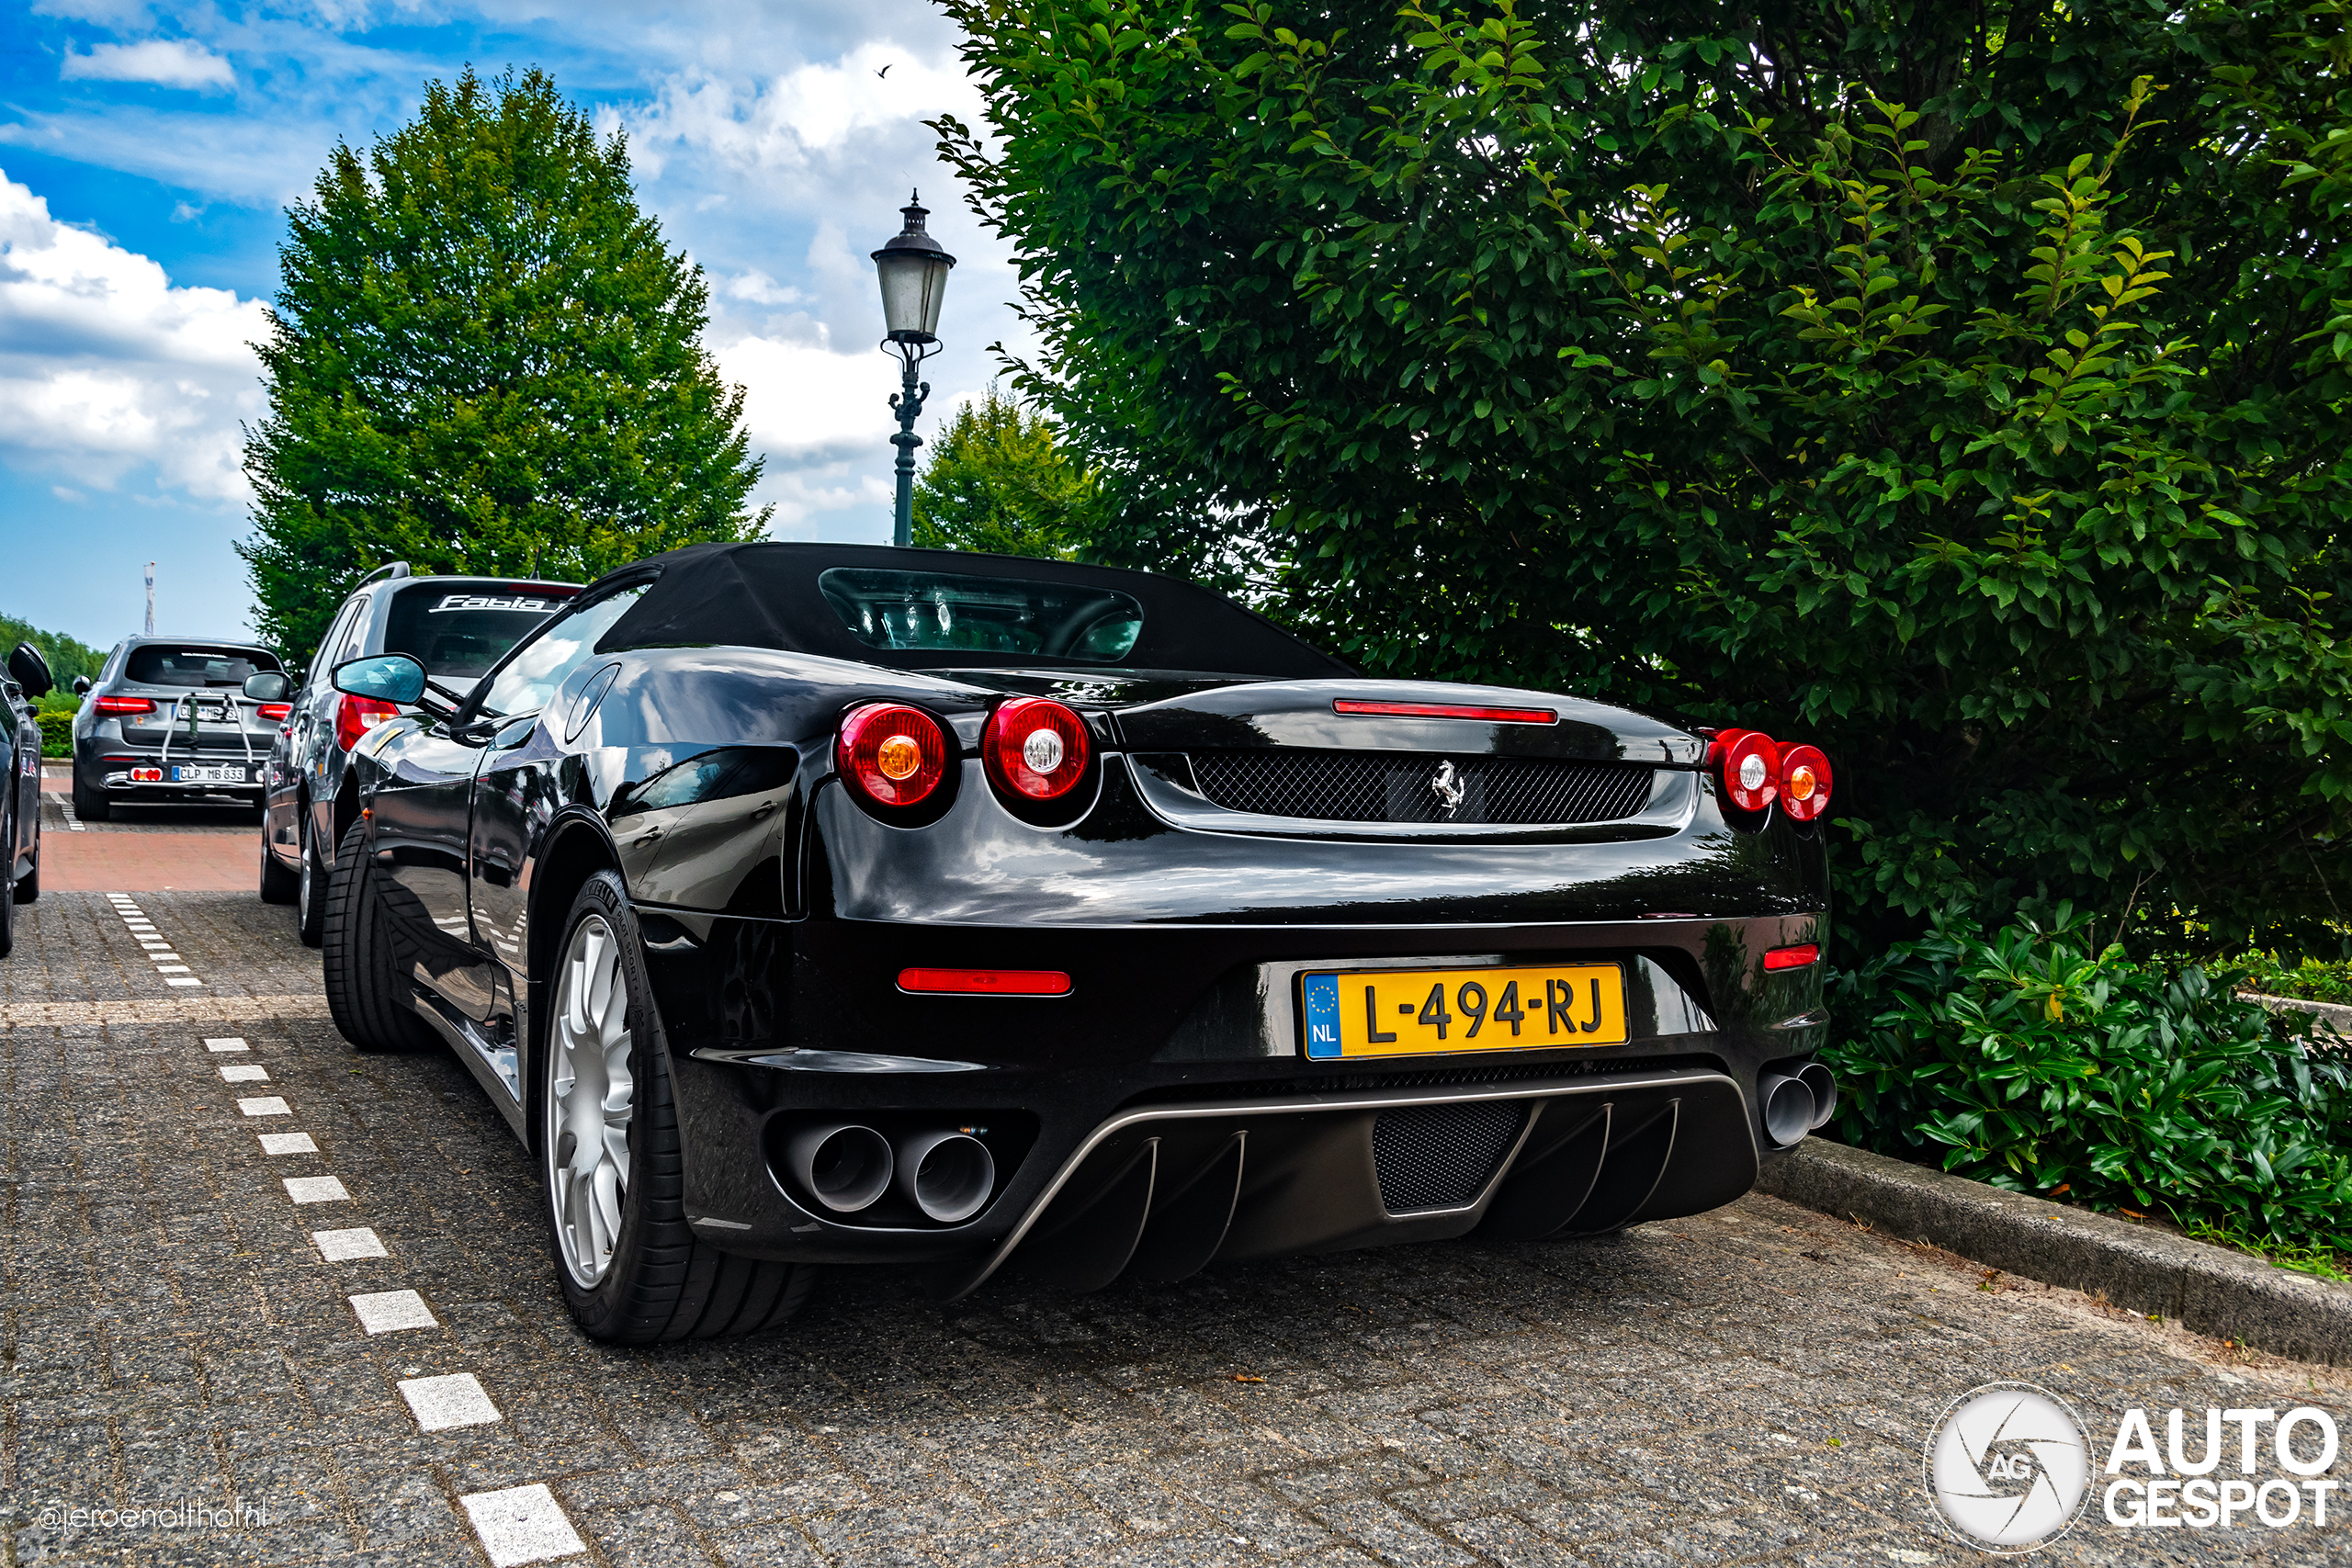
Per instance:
{"type": "Point", "coordinates": [483, 358]}
{"type": "Point", "coordinates": [1963, 388]}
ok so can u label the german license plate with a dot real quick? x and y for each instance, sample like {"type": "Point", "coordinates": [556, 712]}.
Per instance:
{"type": "Point", "coordinates": [208, 776]}
{"type": "Point", "coordinates": [1426, 1012]}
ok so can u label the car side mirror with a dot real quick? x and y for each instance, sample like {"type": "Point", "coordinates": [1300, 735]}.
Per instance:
{"type": "Point", "coordinates": [81, 685]}
{"type": "Point", "coordinates": [31, 670]}
{"type": "Point", "coordinates": [387, 677]}
{"type": "Point", "coordinates": [267, 686]}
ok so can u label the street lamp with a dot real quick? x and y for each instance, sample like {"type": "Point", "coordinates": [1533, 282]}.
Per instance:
{"type": "Point", "coordinates": [914, 277]}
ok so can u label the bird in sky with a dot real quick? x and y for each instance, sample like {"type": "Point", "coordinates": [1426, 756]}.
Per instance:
{"type": "Point", "coordinates": [886, 70]}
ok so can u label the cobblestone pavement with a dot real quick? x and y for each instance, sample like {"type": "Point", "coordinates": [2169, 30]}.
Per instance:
{"type": "Point", "coordinates": [201, 1221]}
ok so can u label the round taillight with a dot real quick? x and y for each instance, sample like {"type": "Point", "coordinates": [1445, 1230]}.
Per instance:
{"type": "Point", "coordinates": [1752, 771]}
{"type": "Point", "coordinates": [1036, 748]}
{"type": "Point", "coordinates": [891, 753]}
{"type": "Point", "coordinates": [1805, 782]}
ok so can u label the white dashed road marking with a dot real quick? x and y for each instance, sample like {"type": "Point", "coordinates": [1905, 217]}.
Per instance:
{"type": "Point", "coordinates": [340, 1246]}
{"type": "Point", "coordinates": [287, 1143]}
{"type": "Point", "coordinates": [182, 980]}
{"type": "Point", "coordinates": [316, 1190]}
{"type": "Point", "coordinates": [229, 1042]}
{"type": "Point", "coordinates": [265, 1105]}
{"type": "Point", "coordinates": [522, 1524]}
{"type": "Point", "coordinates": [244, 1072]}
{"type": "Point", "coordinates": [387, 1312]}
{"type": "Point", "coordinates": [458, 1399]}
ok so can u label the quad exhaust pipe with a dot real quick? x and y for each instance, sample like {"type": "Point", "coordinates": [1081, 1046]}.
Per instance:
{"type": "Point", "coordinates": [1795, 1104]}
{"type": "Point", "coordinates": [845, 1167]}
{"type": "Point", "coordinates": [946, 1175]}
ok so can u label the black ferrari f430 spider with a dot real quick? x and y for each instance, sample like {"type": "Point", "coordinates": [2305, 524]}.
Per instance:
{"type": "Point", "coordinates": [804, 905]}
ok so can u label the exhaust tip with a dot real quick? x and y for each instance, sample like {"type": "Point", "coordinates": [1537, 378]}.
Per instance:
{"type": "Point", "coordinates": [948, 1176]}
{"type": "Point", "coordinates": [841, 1165]}
{"type": "Point", "coordinates": [1788, 1108]}
{"type": "Point", "coordinates": [1817, 1080]}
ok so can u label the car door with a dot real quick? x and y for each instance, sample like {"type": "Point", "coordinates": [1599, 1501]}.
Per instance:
{"type": "Point", "coordinates": [519, 789]}
{"type": "Point", "coordinates": [421, 805]}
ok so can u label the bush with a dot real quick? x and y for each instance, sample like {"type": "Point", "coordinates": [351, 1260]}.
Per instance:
{"type": "Point", "coordinates": [2035, 1060]}
{"type": "Point", "coordinates": [56, 732]}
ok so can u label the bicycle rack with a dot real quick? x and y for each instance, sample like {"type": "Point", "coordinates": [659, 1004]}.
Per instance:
{"type": "Point", "coordinates": [230, 702]}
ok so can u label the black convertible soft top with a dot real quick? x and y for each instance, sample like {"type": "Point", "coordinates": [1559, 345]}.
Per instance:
{"type": "Point", "coordinates": [809, 598]}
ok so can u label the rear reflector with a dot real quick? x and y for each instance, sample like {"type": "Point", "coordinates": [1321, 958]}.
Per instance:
{"type": "Point", "coordinates": [1799, 957]}
{"type": "Point", "coordinates": [1445, 710]}
{"type": "Point", "coordinates": [986, 982]}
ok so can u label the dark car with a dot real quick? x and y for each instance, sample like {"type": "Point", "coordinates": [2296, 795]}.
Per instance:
{"type": "Point", "coordinates": [167, 720]}
{"type": "Point", "coordinates": [806, 903]}
{"type": "Point", "coordinates": [27, 682]}
{"type": "Point", "coordinates": [457, 627]}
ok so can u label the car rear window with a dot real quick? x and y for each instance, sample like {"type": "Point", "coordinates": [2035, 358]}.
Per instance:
{"type": "Point", "coordinates": [990, 615]}
{"type": "Point", "coordinates": [162, 664]}
{"type": "Point", "coordinates": [461, 632]}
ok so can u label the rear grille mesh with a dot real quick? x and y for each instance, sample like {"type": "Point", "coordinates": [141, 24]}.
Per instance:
{"type": "Point", "coordinates": [1441, 1156]}
{"type": "Point", "coordinates": [1391, 786]}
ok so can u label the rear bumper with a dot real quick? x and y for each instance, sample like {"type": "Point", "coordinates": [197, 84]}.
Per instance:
{"type": "Point", "coordinates": [1161, 1116]}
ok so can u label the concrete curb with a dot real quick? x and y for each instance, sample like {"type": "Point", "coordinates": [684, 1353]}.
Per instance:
{"type": "Point", "coordinates": [2206, 1289]}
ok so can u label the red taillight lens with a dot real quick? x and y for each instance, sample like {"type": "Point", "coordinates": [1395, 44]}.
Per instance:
{"type": "Point", "coordinates": [986, 982]}
{"type": "Point", "coordinates": [355, 717]}
{"type": "Point", "coordinates": [891, 753]}
{"type": "Point", "coordinates": [1751, 765]}
{"type": "Point", "coordinates": [1805, 782]}
{"type": "Point", "coordinates": [1446, 710]}
{"type": "Point", "coordinates": [275, 710]}
{"type": "Point", "coordinates": [122, 704]}
{"type": "Point", "coordinates": [1036, 748]}
{"type": "Point", "coordinates": [1804, 955]}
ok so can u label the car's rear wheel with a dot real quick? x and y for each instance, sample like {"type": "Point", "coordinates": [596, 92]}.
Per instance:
{"type": "Point", "coordinates": [631, 1269]}
{"type": "Point", "coordinates": [365, 995]}
{"type": "Point", "coordinates": [91, 805]}
{"type": "Point", "coordinates": [278, 885]}
{"type": "Point", "coordinates": [310, 889]}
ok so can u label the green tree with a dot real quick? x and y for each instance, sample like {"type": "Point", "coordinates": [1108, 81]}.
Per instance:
{"type": "Point", "coordinates": [66, 657]}
{"type": "Point", "coordinates": [483, 358]}
{"type": "Point", "coordinates": [997, 481]}
{"type": "Point", "coordinates": [1963, 388]}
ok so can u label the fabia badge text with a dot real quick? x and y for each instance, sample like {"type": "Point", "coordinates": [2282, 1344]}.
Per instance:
{"type": "Point", "coordinates": [2008, 1465]}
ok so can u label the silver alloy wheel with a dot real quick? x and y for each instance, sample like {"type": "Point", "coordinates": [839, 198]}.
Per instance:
{"type": "Point", "coordinates": [590, 1099]}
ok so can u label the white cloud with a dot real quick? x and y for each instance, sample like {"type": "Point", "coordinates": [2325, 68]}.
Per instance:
{"type": "Point", "coordinates": [168, 62]}
{"type": "Point", "coordinates": [105, 365]}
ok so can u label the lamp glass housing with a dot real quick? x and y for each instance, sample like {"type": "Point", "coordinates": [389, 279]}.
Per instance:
{"type": "Point", "coordinates": [913, 283]}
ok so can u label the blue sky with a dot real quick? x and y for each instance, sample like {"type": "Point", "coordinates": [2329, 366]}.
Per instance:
{"type": "Point", "coordinates": [148, 153]}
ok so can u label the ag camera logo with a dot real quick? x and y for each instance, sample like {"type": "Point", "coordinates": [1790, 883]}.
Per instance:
{"type": "Point", "coordinates": [2008, 1466]}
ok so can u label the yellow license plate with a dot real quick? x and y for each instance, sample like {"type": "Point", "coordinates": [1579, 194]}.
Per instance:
{"type": "Point", "coordinates": [1423, 1012]}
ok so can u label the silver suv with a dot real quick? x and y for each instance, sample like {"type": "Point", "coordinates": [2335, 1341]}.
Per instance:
{"type": "Point", "coordinates": [168, 719]}
{"type": "Point", "coordinates": [457, 627]}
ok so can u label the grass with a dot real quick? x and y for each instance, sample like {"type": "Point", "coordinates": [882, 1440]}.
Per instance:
{"type": "Point", "coordinates": [2312, 980]}
{"type": "Point", "coordinates": [2319, 1261]}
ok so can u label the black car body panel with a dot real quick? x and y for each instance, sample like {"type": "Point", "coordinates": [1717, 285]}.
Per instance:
{"type": "Point", "coordinates": [1163, 1112]}
{"type": "Point", "coordinates": [27, 680]}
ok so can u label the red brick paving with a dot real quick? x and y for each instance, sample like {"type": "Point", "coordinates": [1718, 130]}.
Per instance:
{"type": "Point", "coordinates": [145, 862]}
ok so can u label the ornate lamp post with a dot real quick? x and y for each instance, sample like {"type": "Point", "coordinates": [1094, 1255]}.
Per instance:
{"type": "Point", "coordinates": [914, 276]}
